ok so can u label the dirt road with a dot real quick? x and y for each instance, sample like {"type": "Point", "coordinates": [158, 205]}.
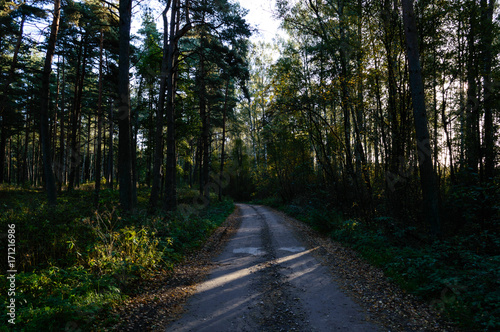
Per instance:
{"type": "Point", "coordinates": [267, 280]}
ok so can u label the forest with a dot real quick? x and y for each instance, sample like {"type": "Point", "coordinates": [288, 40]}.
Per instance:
{"type": "Point", "coordinates": [123, 149]}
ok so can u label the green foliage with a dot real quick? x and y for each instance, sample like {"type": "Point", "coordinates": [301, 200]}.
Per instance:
{"type": "Point", "coordinates": [320, 219]}
{"type": "Point", "coordinates": [56, 298]}
{"type": "Point", "coordinates": [74, 265]}
{"type": "Point", "coordinates": [474, 206]}
{"type": "Point", "coordinates": [238, 166]}
{"type": "Point", "coordinates": [454, 278]}
{"type": "Point", "coordinates": [125, 251]}
{"type": "Point", "coordinates": [188, 232]}
{"type": "Point", "coordinates": [459, 276]}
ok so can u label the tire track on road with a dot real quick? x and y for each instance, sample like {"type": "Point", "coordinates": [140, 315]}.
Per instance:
{"type": "Point", "coordinates": [267, 280]}
{"type": "Point", "coordinates": [280, 312]}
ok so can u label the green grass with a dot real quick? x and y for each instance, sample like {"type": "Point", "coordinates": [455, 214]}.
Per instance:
{"type": "Point", "coordinates": [75, 264]}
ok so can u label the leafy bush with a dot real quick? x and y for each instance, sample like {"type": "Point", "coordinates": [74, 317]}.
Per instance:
{"type": "Point", "coordinates": [473, 206]}
{"type": "Point", "coordinates": [459, 276]}
{"type": "Point", "coordinates": [125, 251]}
{"type": "Point", "coordinates": [77, 265]}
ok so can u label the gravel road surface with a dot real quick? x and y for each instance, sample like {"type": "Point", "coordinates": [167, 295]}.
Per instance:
{"type": "Point", "coordinates": [267, 280]}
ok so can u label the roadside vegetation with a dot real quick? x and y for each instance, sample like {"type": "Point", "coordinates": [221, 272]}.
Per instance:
{"type": "Point", "coordinates": [75, 264]}
{"type": "Point", "coordinates": [458, 274]}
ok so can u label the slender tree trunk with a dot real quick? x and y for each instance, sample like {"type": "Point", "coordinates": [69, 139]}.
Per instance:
{"type": "Point", "coordinates": [346, 99]}
{"type": "Point", "coordinates": [205, 135]}
{"type": "Point", "coordinates": [198, 164]}
{"type": "Point", "coordinates": [3, 144]}
{"type": "Point", "coordinates": [390, 24]}
{"type": "Point", "coordinates": [427, 175]}
{"type": "Point", "coordinates": [53, 127]}
{"type": "Point", "coordinates": [435, 111]}
{"type": "Point", "coordinates": [135, 131]}
{"type": "Point", "coordinates": [32, 177]}
{"type": "Point", "coordinates": [86, 171]}
{"type": "Point", "coordinates": [150, 150]}
{"type": "Point", "coordinates": [472, 117]}
{"type": "Point", "coordinates": [99, 127]}
{"type": "Point", "coordinates": [223, 143]}
{"type": "Point", "coordinates": [62, 146]}
{"type": "Point", "coordinates": [111, 167]}
{"type": "Point", "coordinates": [74, 155]}
{"type": "Point", "coordinates": [44, 108]}
{"type": "Point", "coordinates": [24, 174]}
{"type": "Point", "coordinates": [158, 141]}
{"type": "Point", "coordinates": [463, 115]}
{"type": "Point", "coordinates": [359, 125]}
{"type": "Point", "coordinates": [170, 203]}
{"type": "Point", "coordinates": [4, 109]}
{"type": "Point", "coordinates": [9, 165]}
{"type": "Point", "coordinates": [124, 132]}
{"type": "Point", "coordinates": [488, 93]}
{"type": "Point", "coordinates": [380, 123]}
{"type": "Point", "coordinates": [176, 33]}
{"type": "Point", "coordinates": [448, 139]}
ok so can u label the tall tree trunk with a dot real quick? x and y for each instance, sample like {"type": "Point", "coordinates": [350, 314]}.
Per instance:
{"type": "Point", "coordinates": [62, 146]}
{"type": "Point", "coordinates": [205, 134]}
{"type": "Point", "coordinates": [135, 131]}
{"type": "Point", "coordinates": [9, 165]}
{"type": "Point", "coordinates": [23, 175]}
{"type": "Point", "coordinates": [447, 135]}
{"type": "Point", "coordinates": [472, 109]}
{"type": "Point", "coordinates": [359, 125]}
{"type": "Point", "coordinates": [198, 164]}
{"type": "Point", "coordinates": [32, 176]}
{"type": "Point", "coordinates": [44, 108]}
{"type": "Point", "coordinates": [170, 203]}
{"type": "Point", "coordinates": [176, 33]}
{"type": "Point", "coordinates": [223, 143]}
{"type": "Point", "coordinates": [158, 141]}
{"type": "Point", "coordinates": [53, 126]}
{"type": "Point", "coordinates": [74, 155]}
{"type": "Point", "coordinates": [390, 25]}
{"type": "Point", "coordinates": [427, 175]}
{"type": "Point", "coordinates": [488, 93]}
{"type": "Point", "coordinates": [149, 158]}
{"type": "Point", "coordinates": [3, 144]}
{"type": "Point", "coordinates": [98, 161]}
{"type": "Point", "coordinates": [4, 108]}
{"type": "Point", "coordinates": [87, 164]}
{"type": "Point", "coordinates": [110, 170]}
{"type": "Point", "coordinates": [345, 95]}
{"type": "Point", "coordinates": [124, 132]}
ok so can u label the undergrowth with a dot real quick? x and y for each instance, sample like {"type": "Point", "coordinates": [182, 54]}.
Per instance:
{"type": "Point", "coordinates": [459, 276]}
{"type": "Point", "coordinates": [75, 265]}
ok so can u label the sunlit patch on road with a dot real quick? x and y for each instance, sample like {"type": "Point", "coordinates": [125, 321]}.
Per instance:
{"type": "Point", "coordinates": [249, 250]}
